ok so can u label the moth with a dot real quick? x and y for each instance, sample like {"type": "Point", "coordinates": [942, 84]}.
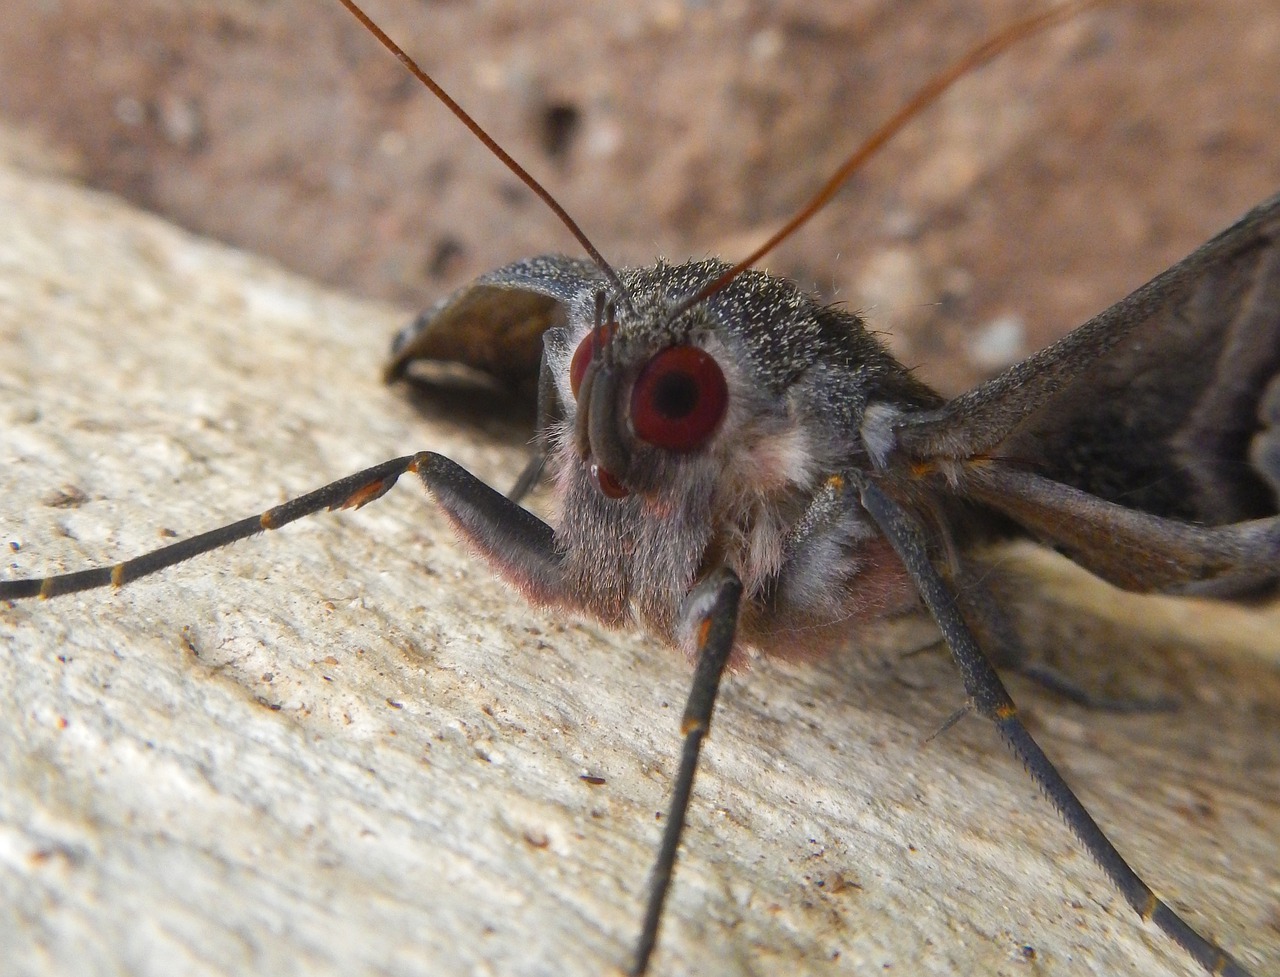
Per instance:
{"type": "Point", "coordinates": [774, 472]}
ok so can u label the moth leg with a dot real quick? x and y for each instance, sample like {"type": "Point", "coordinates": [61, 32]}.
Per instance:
{"type": "Point", "coordinates": [528, 478]}
{"type": "Point", "coordinates": [548, 413]}
{"type": "Point", "coordinates": [816, 570]}
{"type": "Point", "coordinates": [990, 621]}
{"type": "Point", "coordinates": [711, 612]}
{"type": "Point", "coordinates": [351, 492]}
{"type": "Point", "coordinates": [515, 540]}
{"type": "Point", "coordinates": [824, 512]}
{"type": "Point", "coordinates": [1061, 684]}
{"type": "Point", "coordinates": [990, 698]}
{"type": "Point", "coordinates": [1134, 550]}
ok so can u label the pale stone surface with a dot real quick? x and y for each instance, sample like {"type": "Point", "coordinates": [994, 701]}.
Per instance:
{"type": "Point", "coordinates": [346, 749]}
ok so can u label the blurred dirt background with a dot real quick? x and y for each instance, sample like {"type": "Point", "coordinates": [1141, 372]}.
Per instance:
{"type": "Point", "coordinates": [1045, 186]}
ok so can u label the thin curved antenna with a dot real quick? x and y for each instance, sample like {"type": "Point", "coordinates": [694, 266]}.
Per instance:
{"type": "Point", "coordinates": [927, 95]}
{"type": "Point", "coordinates": [491, 144]}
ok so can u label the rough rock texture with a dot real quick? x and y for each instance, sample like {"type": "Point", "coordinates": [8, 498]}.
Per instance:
{"type": "Point", "coordinates": [346, 749]}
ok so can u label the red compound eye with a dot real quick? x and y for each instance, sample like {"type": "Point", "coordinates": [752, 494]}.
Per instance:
{"type": "Point", "coordinates": [582, 356]}
{"type": "Point", "coordinates": [608, 484]}
{"type": "Point", "coordinates": [679, 399]}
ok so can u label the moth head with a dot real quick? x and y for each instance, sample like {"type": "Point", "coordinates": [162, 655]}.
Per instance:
{"type": "Point", "coordinates": [642, 395]}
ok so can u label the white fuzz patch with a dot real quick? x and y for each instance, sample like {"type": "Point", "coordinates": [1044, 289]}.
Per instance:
{"type": "Point", "coordinates": [877, 432]}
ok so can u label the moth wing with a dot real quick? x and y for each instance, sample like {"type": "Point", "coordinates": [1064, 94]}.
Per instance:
{"type": "Point", "coordinates": [1166, 408]}
{"type": "Point", "coordinates": [495, 324]}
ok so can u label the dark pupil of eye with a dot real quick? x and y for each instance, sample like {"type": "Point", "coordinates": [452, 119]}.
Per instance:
{"type": "Point", "coordinates": [676, 395]}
